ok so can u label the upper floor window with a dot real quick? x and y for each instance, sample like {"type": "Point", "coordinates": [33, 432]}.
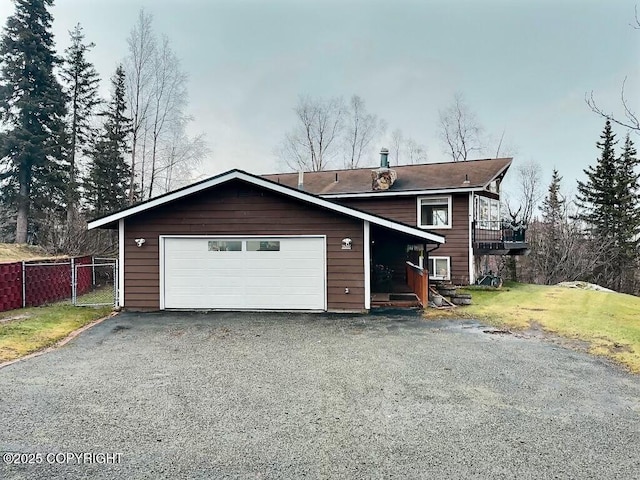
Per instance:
{"type": "Point", "coordinates": [434, 212]}
{"type": "Point", "coordinates": [488, 213]}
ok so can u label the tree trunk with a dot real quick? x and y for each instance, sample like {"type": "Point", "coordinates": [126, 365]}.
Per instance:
{"type": "Point", "coordinates": [132, 178]}
{"type": "Point", "coordinates": [512, 268]}
{"type": "Point", "coordinates": [71, 188]}
{"type": "Point", "coordinates": [22, 220]}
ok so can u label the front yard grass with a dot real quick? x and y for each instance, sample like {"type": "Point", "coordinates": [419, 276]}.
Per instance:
{"type": "Point", "coordinates": [609, 322]}
{"type": "Point", "coordinates": [28, 330]}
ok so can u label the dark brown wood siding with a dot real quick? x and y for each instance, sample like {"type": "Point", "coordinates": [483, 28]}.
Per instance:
{"type": "Point", "coordinates": [400, 209]}
{"type": "Point", "coordinates": [405, 209]}
{"type": "Point", "coordinates": [240, 209]}
{"type": "Point", "coordinates": [457, 240]}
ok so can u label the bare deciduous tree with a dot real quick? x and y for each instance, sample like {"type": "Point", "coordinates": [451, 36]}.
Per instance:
{"type": "Point", "coordinates": [162, 154]}
{"type": "Point", "coordinates": [561, 252]}
{"type": "Point", "coordinates": [168, 99]}
{"type": "Point", "coordinates": [460, 131]}
{"type": "Point", "coordinates": [397, 142]}
{"type": "Point", "coordinates": [415, 153]}
{"type": "Point", "coordinates": [361, 129]}
{"type": "Point", "coordinates": [629, 118]}
{"type": "Point", "coordinates": [182, 156]}
{"type": "Point", "coordinates": [313, 143]}
{"type": "Point", "coordinates": [406, 150]}
{"type": "Point", "coordinates": [139, 69]}
{"type": "Point", "coordinates": [522, 206]}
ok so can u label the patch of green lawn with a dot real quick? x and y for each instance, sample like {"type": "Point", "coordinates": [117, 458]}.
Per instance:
{"type": "Point", "coordinates": [610, 322]}
{"type": "Point", "coordinates": [28, 330]}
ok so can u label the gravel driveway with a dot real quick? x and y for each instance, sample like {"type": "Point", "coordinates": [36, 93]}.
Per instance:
{"type": "Point", "coordinates": [229, 395]}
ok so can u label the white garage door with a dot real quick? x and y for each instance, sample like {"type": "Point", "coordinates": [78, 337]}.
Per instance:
{"type": "Point", "coordinates": [280, 273]}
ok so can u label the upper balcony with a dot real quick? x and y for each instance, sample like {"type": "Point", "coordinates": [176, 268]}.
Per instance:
{"type": "Point", "coordinates": [499, 238]}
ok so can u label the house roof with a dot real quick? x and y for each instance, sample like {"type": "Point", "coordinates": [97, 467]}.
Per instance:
{"type": "Point", "coordinates": [109, 220]}
{"type": "Point", "coordinates": [421, 178]}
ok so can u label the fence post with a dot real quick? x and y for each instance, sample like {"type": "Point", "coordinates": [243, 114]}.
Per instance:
{"type": "Point", "coordinates": [24, 285]}
{"type": "Point", "coordinates": [425, 280]}
{"type": "Point", "coordinates": [116, 286]}
{"type": "Point", "coordinates": [73, 281]}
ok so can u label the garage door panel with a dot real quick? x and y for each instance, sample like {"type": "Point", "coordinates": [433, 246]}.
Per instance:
{"type": "Point", "coordinates": [214, 278]}
{"type": "Point", "coordinates": [292, 277]}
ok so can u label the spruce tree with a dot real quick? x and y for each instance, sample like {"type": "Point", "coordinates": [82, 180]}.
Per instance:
{"type": "Point", "coordinates": [597, 196]}
{"type": "Point", "coordinates": [32, 105]}
{"type": "Point", "coordinates": [106, 185]}
{"type": "Point", "coordinates": [81, 85]}
{"type": "Point", "coordinates": [609, 202]}
{"type": "Point", "coordinates": [547, 235]}
{"type": "Point", "coordinates": [553, 205]}
{"type": "Point", "coordinates": [627, 184]}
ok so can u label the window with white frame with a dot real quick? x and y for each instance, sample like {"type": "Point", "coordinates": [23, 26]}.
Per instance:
{"type": "Point", "coordinates": [439, 268]}
{"type": "Point", "coordinates": [488, 213]}
{"type": "Point", "coordinates": [434, 212]}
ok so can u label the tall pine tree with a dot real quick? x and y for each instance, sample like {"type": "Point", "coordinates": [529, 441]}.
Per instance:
{"type": "Point", "coordinates": [547, 239]}
{"type": "Point", "coordinates": [553, 205]}
{"type": "Point", "coordinates": [32, 105]}
{"type": "Point", "coordinates": [81, 85]}
{"type": "Point", "coordinates": [627, 184]}
{"type": "Point", "coordinates": [106, 185]}
{"type": "Point", "coordinates": [597, 196]}
{"type": "Point", "coordinates": [609, 203]}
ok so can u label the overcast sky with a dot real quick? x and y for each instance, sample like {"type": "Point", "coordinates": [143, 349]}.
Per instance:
{"type": "Point", "coordinates": [523, 66]}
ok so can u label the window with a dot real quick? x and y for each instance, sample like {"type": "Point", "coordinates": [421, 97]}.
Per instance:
{"type": "Point", "coordinates": [488, 213]}
{"type": "Point", "coordinates": [494, 215]}
{"type": "Point", "coordinates": [440, 268]}
{"type": "Point", "coordinates": [263, 245]}
{"type": "Point", "coordinates": [225, 245]}
{"type": "Point", "coordinates": [434, 212]}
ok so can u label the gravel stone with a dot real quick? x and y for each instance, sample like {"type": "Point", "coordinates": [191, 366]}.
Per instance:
{"type": "Point", "coordinates": [265, 395]}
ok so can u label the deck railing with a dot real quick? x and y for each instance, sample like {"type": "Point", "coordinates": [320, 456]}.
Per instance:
{"type": "Point", "coordinates": [418, 281]}
{"type": "Point", "coordinates": [485, 231]}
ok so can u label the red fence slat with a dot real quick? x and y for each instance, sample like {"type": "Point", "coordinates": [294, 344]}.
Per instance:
{"type": "Point", "coordinates": [84, 281]}
{"type": "Point", "coordinates": [10, 286]}
{"type": "Point", "coordinates": [47, 283]}
{"type": "Point", "coordinates": [44, 283]}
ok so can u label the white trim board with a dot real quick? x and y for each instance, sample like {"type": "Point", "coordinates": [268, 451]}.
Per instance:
{"type": "Point", "coordinates": [440, 191]}
{"type": "Point", "coordinates": [269, 185]}
{"type": "Point", "coordinates": [470, 233]}
{"type": "Point", "coordinates": [121, 262]}
{"type": "Point", "coordinates": [367, 266]}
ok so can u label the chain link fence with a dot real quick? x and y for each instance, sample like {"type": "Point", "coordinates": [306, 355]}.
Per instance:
{"type": "Point", "coordinates": [80, 281]}
{"type": "Point", "coordinates": [101, 278]}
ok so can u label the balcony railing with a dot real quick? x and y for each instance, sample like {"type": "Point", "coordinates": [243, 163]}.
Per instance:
{"type": "Point", "coordinates": [498, 237]}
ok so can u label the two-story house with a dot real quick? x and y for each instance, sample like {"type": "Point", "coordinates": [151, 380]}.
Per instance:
{"type": "Point", "coordinates": [314, 241]}
{"type": "Point", "coordinates": [459, 200]}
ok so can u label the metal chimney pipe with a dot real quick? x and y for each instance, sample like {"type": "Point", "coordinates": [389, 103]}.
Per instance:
{"type": "Point", "coordinates": [300, 180]}
{"type": "Point", "coordinates": [384, 158]}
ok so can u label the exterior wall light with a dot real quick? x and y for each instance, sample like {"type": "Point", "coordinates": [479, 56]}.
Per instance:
{"type": "Point", "coordinates": [140, 242]}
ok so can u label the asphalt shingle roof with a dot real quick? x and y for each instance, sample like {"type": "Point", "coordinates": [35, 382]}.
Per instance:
{"type": "Point", "coordinates": [429, 176]}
